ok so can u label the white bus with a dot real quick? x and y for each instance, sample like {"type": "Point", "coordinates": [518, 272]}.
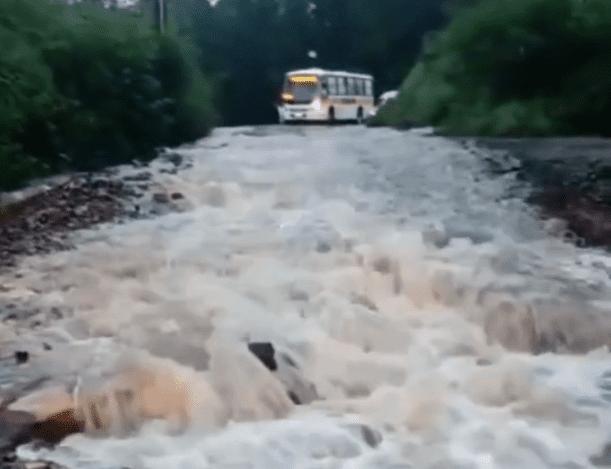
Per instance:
{"type": "Point", "coordinates": [327, 96]}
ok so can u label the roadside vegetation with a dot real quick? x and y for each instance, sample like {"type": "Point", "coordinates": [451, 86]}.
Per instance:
{"type": "Point", "coordinates": [513, 68]}
{"type": "Point", "coordinates": [82, 87]}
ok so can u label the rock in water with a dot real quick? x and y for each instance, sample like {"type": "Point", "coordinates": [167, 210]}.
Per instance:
{"type": "Point", "coordinates": [21, 357]}
{"type": "Point", "coordinates": [604, 460]}
{"type": "Point", "coordinates": [264, 351]}
{"type": "Point", "coordinates": [54, 428]}
{"type": "Point", "coordinates": [299, 390]}
{"type": "Point", "coordinates": [15, 428]}
{"type": "Point", "coordinates": [372, 437]}
{"type": "Point", "coordinates": [436, 238]}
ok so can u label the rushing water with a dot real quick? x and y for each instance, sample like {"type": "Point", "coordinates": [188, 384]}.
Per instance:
{"type": "Point", "coordinates": [403, 289]}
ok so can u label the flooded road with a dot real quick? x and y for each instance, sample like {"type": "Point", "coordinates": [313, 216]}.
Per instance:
{"type": "Point", "coordinates": [421, 316]}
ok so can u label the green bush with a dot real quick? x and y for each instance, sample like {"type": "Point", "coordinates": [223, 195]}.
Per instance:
{"type": "Point", "coordinates": [82, 87]}
{"type": "Point", "coordinates": [514, 67]}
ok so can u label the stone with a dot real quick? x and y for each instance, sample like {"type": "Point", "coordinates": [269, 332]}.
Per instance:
{"type": "Point", "coordinates": [382, 265]}
{"type": "Point", "coordinates": [161, 198]}
{"type": "Point", "coordinates": [264, 351]}
{"type": "Point", "coordinates": [604, 460]}
{"type": "Point", "coordinates": [372, 437]}
{"type": "Point", "coordinates": [15, 428]}
{"type": "Point", "coordinates": [437, 238]}
{"type": "Point", "coordinates": [33, 223]}
{"type": "Point", "coordinates": [56, 427]}
{"type": "Point", "coordinates": [21, 357]}
{"type": "Point", "coordinates": [139, 177]}
{"type": "Point", "coordinates": [174, 158]}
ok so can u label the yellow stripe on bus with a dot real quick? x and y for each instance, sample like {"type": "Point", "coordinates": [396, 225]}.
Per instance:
{"type": "Point", "coordinates": [304, 79]}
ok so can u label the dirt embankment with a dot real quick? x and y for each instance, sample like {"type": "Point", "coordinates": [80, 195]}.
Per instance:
{"type": "Point", "coordinates": [39, 224]}
{"type": "Point", "coordinates": [41, 220]}
{"type": "Point", "coordinates": [571, 179]}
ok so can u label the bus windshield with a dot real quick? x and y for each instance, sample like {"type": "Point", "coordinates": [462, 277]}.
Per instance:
{"type": "Point", "coordinates": [301, 89]}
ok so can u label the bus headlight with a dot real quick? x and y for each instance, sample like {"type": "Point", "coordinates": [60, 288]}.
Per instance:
{"type": "Point", "coordinates": [316, 104]}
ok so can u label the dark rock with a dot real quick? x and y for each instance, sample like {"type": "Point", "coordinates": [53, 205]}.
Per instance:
{"type": "Point", "coordinates": [174, 158]}
{"type": "Point", "coordinates": [169, 171]}
{"type": "Point", "coordinates": [294, 398]}
{"type": "Point", "coordinates": [161, 198]}
{"type": "Point", "coordinates": [604, 382]}
{"type": "Point", "coordinates": [288, 360]}
{"type": "Point", "coordinates": [604, 460]}
{"type": "Point", "coordinates": [298, 295]}
{"type": "Point", "coordinates": [38, 223]}
{"type": "Point", "coordinates": [15, 428]}
{"type": "Point", "coordinates": [176, 196]}
{"type": "Point", "coordinates": [46, 346]}
{"type": "Point", "coordinates": [372, 437]}
{"type": "Point", "coordinates": [382, 265]}
{"type": "Point", "coordinates": [264, 351]}
{"type": "Point", "coordinates": [56, 427]}
{"type": "Point", "coordinates": [21, 357]}
{"type": "Point", "coordinates": [436, 238]}
{"type": "Point", "coordinates": [143, 176]}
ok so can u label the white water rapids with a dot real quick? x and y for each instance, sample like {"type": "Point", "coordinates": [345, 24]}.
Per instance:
{"type": "Point", "coordinates": [312, 239]}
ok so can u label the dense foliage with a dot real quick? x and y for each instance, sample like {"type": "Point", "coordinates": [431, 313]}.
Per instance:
{"type": "Point", "coordinates": [514, 67]}
{"type": "Point", "coordinates": [82, 87]}
{"type": "Point", "coordinates": [248, 45]}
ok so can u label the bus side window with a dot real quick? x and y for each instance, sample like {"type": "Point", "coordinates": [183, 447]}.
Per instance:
{"type": "Point", "coordinates": [368, 88]}
{"type": "Point", "coordinates": [351, 87]}
{"type": "Point", "coordinates": [332, 86]}
{"type": "Point", "coordinates": [342, 85]}
{"type": "Point", "coordinates": [324, 84]}
{"type": "Point", "coordinates": [360, 88]}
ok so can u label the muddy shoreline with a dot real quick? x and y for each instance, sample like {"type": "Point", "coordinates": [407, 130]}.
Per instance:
{"type": "Point", "coordinates": [570, 179]}
{"type": "Point", "coordinates": [38, 219]}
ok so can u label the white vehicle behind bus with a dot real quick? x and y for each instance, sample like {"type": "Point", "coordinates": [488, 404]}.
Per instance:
{"type": "Point", "coordinates": [326, 96]}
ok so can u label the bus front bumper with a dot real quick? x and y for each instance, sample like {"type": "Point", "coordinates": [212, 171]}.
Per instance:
{"type": "Point", "coordinates": [300, 113]}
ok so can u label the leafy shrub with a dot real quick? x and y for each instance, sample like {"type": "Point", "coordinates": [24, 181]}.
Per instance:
{"type": "Point", "coordinates": [82, 87]}
{"type": "Point", "coordinates": [519, 67]}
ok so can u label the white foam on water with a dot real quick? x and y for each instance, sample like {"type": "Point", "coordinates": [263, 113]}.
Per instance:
{"type": "Point", "coordinates": [313, 241]}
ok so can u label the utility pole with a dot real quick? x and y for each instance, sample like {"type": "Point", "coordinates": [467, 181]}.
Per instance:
{"type": "Point", "coordinates": [161, 18]}
{"type": "Point", "coordinates": [159, 13]}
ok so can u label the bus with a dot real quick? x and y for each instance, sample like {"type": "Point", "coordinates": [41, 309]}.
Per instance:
{"type": "Point", "coordinates": [320, 95]}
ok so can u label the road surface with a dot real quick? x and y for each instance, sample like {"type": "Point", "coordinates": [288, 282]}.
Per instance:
{"type": "Point", "coordinates": [420, 313]}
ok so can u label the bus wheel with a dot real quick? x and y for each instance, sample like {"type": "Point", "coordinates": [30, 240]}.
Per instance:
{"type": "Point", "coordinates": [331, 116]}
{"type": "Point", "coordinates": [359, 116]}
